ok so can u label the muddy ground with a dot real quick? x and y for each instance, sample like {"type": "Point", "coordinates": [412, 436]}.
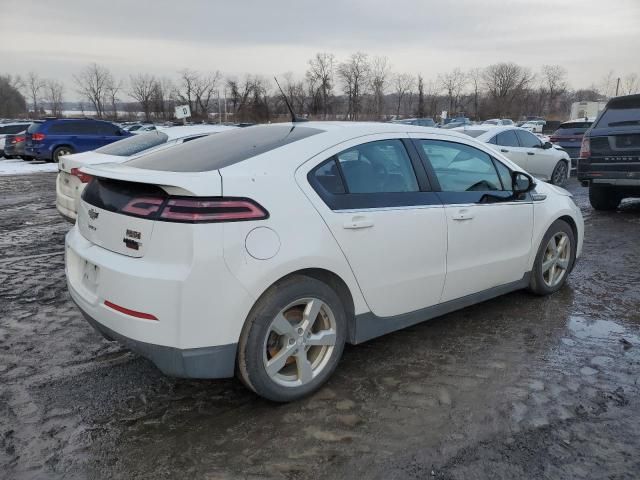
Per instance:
{"type": "Point", "coordinates": [517, 387]}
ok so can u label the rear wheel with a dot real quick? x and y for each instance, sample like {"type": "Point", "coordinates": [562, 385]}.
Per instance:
{"type": "Point", "coordinates": [554, 260]}
{"type": "Point", "coordinates": [559, 175]}
{"type": "Point", "coordinates": [603, 198]}
{"type": "Point", "coordinates": [293, 339]}
{"type": "Point", "coordinates": [60, 152]}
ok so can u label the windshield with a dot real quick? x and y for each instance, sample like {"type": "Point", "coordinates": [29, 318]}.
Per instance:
{"type": "Point", "coordinates": [474, 133]}
{"type": "Point", "coordinates": [34, 127]}
{"type": "Point", "coordinates": [136, 144]}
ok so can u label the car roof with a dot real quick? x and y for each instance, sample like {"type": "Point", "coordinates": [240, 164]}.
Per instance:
{"type": "Point", "coordinates": [490, 130]}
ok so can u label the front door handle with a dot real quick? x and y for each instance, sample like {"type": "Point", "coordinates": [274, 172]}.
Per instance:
{"type": "Point", "coordinates": [530, 153]}
{"type": "Point", "coordinates": [358, 222]}
{"type": "Point", "coordinates": [504, 151]}
{"type": "Point", "coordinates": [463, 214]}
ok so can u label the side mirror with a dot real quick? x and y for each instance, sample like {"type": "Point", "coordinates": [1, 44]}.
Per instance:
{"type": "Point", "coordinates": [522, 183]}
{"type": "Point", "coordinates": [547, 145]}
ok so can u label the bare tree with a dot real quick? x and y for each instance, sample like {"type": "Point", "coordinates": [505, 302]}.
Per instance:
{"type": "Point", "coordinates": [354, 74]}
{"type": "Point", "coordinates": [403, 83]}
{"type": "Point", "coordinates": [453, 83]}
{"type": "Point", "coordinates": [607, 86]}
{"type": "Point", "coordinates": [142, 88]}
{"type": "Point", "coordinates": [112, 89]}
{"type": "Point", "coordinates": [475, 79]}
{"type": "Point", "coordinates": [92, 84]}
{"type": "Point", "coordinates": [197, 90]}
{"type": "Point", "coordinates": [321, 71]}
{"type": "Point", "coordinates": [379, 72]}
{"type": "Point", "coordinates": [505, 81]}
{"type": "Point", "coordinates": [421, 112]}
{"type": "Point", "coordinates": [630, 83]}
{"type": "Point", "coordinates": [554, 80]}
{"type": "Point", "coordinates": [54, 91]}
{"type": "Point", "coordinates": [34, 85]}
{"type": "Point", "coordinates": [163, 101]}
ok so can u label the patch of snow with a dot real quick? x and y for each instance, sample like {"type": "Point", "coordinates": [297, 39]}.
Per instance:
{"type": "Point", "coordinates": [20, 167]}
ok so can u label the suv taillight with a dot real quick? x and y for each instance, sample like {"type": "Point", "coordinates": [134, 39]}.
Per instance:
{"type": "Point", "coordinates": [84, 177]}
{"type": "Point", "coordinates": [195, 209]}
{"type": "Point", "coordinates": [38, 137]}
{"type": "Point", "coordinates": [17, 140]}
{"type": "Point", "coordinates": [585, 148]}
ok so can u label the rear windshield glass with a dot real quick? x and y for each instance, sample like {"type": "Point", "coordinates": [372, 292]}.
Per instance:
{"type": "Point", "coordinates": [34, 127]}
{"type": "Point", "coordinates": [10, 129]}
{"type": "Point", "coordinates": [223, 149]}
{"type": "Point", "coordinates": [572, 128]}
{"type": "Point", "coordinates": [620, 117]}
{"type": "Point", "coordinates": [136, 144]}
{"type": "Point", "coordinates": [474, 133]}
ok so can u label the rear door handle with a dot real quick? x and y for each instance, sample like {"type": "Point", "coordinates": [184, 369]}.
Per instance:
{"type": "Point", "coordinates": [358, 222]}
{"type": "Point", "coordinates": [463, 214]}
{"type": "Point", "coordinates": [530, 153]}
{"type": "Point", "coordinates": [504, 151]}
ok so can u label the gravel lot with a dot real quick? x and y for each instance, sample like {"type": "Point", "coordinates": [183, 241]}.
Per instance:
{"type": "Point", "coordinates": [517, 387]}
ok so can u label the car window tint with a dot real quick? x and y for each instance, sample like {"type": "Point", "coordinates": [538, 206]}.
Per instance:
{"type": "Point", "coordinates": [135, 144]}
{"type": "Point", "coordinates": [34, 127]}
{"type": "Point", "coordinates": [528, 140]}
{"type": "Point", "coordinates": [507, 139]}
{"type": "Point", "coordinates": [505, 175]}
{"type": "Point", "coordinates": [377, 167]}
{"type": "Point", "coordinates": [224, 148]}
{"type": "Point", "coordinates": [328, 176]}
{"type": "Point", "coordinates": [106, 129]}
{"type": "Point", "coordinates": [461, 168]}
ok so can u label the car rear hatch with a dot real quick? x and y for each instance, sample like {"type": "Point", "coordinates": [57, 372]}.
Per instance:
{"type": "Point", "coordinates": [121, 205]}
{"type": "Point", "coordinates": [34, 128]}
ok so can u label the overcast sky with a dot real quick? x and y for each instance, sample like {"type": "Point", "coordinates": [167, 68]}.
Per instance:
{"type": "Point", "coordinates": [57, 38]}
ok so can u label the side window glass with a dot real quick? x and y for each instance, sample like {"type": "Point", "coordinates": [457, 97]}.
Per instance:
{"type": "Point", "coordinates": [107, 129]}
{"type": "Point", "coordinates": [528, 140]}
{"type": "Point", "coordinates": [493, 140]}
{"type": "Point", "coordinates": [329, 177]}
{"type": "Point", "coordinates": [508, 139]}
{"type": "Point", "coordinates": [461, 168]}
{"type": "Point", "coordinates": [378, 167]}
{"type": "Point", "coordinates": [505, 175]}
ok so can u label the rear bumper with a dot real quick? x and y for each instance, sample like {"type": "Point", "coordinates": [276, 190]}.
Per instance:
{"type": "Point", "coordinates": [199, 307]}
{"type": "Point", "coordinates": [39, 153]}
{"type": "Point", "coordinates": [205, 362]}
{"type": "Point", "coordinates": [66, 204]}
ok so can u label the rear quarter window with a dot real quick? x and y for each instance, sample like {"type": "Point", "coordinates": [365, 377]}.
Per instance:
{"type": "Point", "coordinates": [223, 149]}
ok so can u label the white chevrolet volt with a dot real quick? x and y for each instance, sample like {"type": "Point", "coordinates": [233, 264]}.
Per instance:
{"type": "Point", "coordinates": [261, 251]}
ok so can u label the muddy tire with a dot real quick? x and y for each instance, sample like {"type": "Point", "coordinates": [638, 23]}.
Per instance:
{"type": "Point", "coordinates": [292, 340]}
{"type": "Point", "coordinates": [603, 198]}
{"type": "Point", "coordinates": [559, 175]}
{"type": "Point", "coordinates": [554, 260]}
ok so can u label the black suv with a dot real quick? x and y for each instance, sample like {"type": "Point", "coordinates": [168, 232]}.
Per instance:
{"type": "Point", "coordinates": [610, 154]}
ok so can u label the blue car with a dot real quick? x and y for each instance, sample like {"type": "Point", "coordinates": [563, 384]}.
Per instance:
{"type": "Point", "coordinates": [50, 139]}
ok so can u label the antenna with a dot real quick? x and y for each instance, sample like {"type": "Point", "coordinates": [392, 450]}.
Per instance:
{"type": "Point", "coordinates": [294, 118]}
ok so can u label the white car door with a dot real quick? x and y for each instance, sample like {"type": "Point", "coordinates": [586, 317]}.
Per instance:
{"type": "Point", "coordinates": [540, 161]}
{"type": "Point", "coordinates": [374, 196]}
{"type": "Point", "coordinates": [507, 144]}
{"type": "Point", "coordinates": [489, 230]}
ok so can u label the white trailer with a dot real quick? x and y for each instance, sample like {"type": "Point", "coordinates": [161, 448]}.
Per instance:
{"type": "Point", "coordinates": [586, 109]}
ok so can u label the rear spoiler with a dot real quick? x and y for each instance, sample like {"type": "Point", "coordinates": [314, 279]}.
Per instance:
{"type": "Point", "coordinates": [175, 183]}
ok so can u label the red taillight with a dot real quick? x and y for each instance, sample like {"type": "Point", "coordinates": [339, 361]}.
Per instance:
{"type": "Point", "coordinates": [84, 177]}
{"type": "Point", "coordinates": [17, 139]}
{"type": "Point", "coordinates": [199, 210]}
{"type": "Point", "coordinates": [38, 137]}
{"type": "Point", "coordinates": [143, 206]}
{"type": "Point", "coordinates": [131, 313]}
{"type": "Point", "coordinates": [585, 148]}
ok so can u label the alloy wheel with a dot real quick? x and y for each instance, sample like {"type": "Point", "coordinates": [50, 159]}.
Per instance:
{"type": "Point", "coordinates": [299, 342]}
{"type": "Point", "coordinates": [555, 261]}
{"type": "Point", "coordinates": [560, 174]}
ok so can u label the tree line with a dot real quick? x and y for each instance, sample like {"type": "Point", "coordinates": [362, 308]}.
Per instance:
{"type": "Point", "coordinates": [359, 87]}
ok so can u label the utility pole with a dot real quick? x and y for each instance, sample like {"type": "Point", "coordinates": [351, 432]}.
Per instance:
{"type": "Point", "coordinates": [219, 108]}
{"type": "Point", "coordinates": [617, 86]}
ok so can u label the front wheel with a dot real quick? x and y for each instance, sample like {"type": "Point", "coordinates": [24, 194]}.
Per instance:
{"type": "Point", "coordinates": [555, 258]}
{"type": "Point", "coordinates": [293, 339]}
{"type": "Point", "coordinates": [60, 152]}
{"type": "Point", "coordinates": [559, 175]}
